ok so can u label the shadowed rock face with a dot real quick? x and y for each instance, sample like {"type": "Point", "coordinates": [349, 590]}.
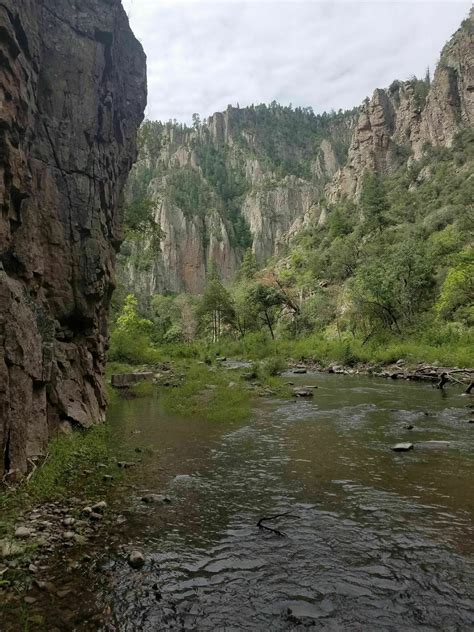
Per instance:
{"type": "Point", "coordinates": [72, 95]}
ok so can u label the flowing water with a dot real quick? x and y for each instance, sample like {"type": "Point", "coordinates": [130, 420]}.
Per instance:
{"type": "Point", "coordinates": [375, 540]}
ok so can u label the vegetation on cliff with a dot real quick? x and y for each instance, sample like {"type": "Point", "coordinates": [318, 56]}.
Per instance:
{"type": "Point", "coordinates": [389, 275]}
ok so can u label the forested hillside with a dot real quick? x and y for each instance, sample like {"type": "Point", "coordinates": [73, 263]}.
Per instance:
{"type": "Point", "coordinates": [355, 227]}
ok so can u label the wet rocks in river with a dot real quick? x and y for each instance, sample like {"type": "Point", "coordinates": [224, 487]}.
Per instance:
{"type": "Point", "coordinates": [154, 499]}
{"type": "Point", "coordinates": [299, 371]}
{"type": "Point", "coordinates": [99, 507]}
{"type": "Point", "coordinates": [125, 380]}
{"type": "Point", "coordinates": [408, 426]}
{"type": "Point", "coordinates": [303, 392]}
{"type": "Point", "coordinates": [136, 559]}
{"type": "Point", "coordinates": [403, 447]}
{"type": "Point", "coordinates": [434, 444]}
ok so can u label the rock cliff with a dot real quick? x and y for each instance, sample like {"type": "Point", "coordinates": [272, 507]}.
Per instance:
{"type": "Point", "coordinates": [256, 176]}
{"type": "Point", "coordinates": [72, 95]}
{"type": "Point", "coordinates": [240, 179]}
{"type": "Point", "coordinates": [399, 121]}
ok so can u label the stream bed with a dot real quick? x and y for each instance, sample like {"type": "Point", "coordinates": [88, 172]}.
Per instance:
{"type": "Point", "coordinates": [374, 539]}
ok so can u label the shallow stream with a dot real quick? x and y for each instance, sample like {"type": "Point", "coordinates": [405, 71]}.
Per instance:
{"type": "Point", "coordinates": [375, 540]}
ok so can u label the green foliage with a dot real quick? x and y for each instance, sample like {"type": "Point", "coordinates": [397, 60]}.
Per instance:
{"type": "Point", "coordinates": [208, 395]}
{"type": "Point", "coordinates": [373, 201]}
{"type": "Point", "coordinates": [216, 307]}
{"type": "Point", "coordinates": [130, 340]}
{"type": "Point", "coordinates": [456, 300]}
{"type": "Point", "coordinates": [391, 291]}
{"type": "Point", "coordinates": [248, 267]}
{"type": "Point", "coordinates": [188, 191]}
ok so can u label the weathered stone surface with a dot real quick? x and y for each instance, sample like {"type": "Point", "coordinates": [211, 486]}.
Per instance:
{"type": "Point", "coordinates": [124, 380]}
{"type": "Point", "coordinates": [303, 392]}
{"type": "Point", "coordinates": [394, 122]}
{"type": "Point", "coordinates": [403, 447]}
{"type": "Point", "coordinates": [72, 93]}
{"type": "Point", "coordinates": [272, 206]}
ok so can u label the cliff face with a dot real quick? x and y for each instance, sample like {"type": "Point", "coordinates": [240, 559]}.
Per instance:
{"type": "Point", "coordinates": [250, 174]}
{"type": "Point", "coordinates": [256, 176]}
{"type": "Point", "coordinates": [398, 122]}
{"type": "Point", "coordinates": [73, 91]}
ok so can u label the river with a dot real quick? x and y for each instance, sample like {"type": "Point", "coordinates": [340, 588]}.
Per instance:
{"type": "Point", "coordinates": [374, 539]}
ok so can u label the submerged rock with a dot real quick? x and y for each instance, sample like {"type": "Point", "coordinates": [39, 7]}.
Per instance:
{"type": "Point", "coordinates": [136, 559]}
{"type": "Point", "coordinates": [151, 499]}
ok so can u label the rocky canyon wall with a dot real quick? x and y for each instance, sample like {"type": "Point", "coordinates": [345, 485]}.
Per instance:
{"type": "Point", "coordinates": [72, 95]}
{"type": "Point", "coordinates": [293, 165]}
{"type": "Point", "coordinates": [398, 122]}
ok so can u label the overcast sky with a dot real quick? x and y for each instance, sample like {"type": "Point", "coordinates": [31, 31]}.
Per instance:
{"type": "Point", "coordinates": [204, 55]}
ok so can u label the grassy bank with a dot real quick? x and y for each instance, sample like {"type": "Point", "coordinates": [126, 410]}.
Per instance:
{"type": "Point", "coordinates": [443, 349]}
{"type": "Point", "coordinates": [70, 468]}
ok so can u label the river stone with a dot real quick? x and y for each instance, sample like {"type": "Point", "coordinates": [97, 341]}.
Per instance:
{"type": "Point", "coordinates": [299, 371]}
{"type": "Point", "coordinates": [136, 559]}
{"type": "Point", "coordinates": [8, 548]}
{"type": "Point", "coordinates": [99, 507]}
{"type": "Point", "coordinates": [403, 447]}
{"type": "Point", "coordinates": [303, 392]}
{"type": "Point", "coordinates": [125, 380]}
{"type": "Point", "coordinates": [23, 532]}
{"type": "Point", "coordinates": [151, 499]}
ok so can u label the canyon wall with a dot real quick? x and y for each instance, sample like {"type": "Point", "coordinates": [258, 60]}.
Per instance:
{"type": "Point", "coordinates": [72, 95]}
{"type": "Point", "coordinates": [398, 122]}
{"type": "Point", "coordinates": [259, 170]}
{"type": "Point", "coordinates": [291, 163]}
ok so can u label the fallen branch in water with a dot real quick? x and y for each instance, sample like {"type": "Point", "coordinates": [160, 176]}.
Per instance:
{"type": "Point", "coordinates": [260, 524]}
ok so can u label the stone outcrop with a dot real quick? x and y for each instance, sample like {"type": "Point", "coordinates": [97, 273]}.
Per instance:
{"type": "Point", "coordinates": [72, 94]}
{"type": "Point", "coordinates": [399, 121]}
{"type": "Point", "coordinates": [386, 132]}
{"type": "Point", "coordinates": [269, 207]}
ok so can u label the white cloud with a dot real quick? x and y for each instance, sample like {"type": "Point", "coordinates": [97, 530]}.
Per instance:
{"type": "Point", "coordinates": [204, 55]}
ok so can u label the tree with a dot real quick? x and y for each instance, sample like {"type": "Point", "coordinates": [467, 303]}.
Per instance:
{"type": "Point", "coordinates": [130, 340]}
{"type": "Point", "coordinates": [196, 121]}
{"type": "Point", "coordinates": [268, 302]}
{"type": "Point", "coordinates": [248, 267]}
{"type": "Point", "coordinates": [217, 304]}
{"type": "Point", "coordinates": [391, 291]}
{"type": "Point", "coordinates": [456, 301]}
{"type": "Point", "coordinates": [373, 202]}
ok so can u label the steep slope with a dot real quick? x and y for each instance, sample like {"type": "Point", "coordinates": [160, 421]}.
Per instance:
{"type": "Point", "coordinates": [73, 92]}
{"type": "Point", "coordinates": [240, 179]}
{"type": "Point", "coordinates": [397, 123]}
{"type": "Point", "coordinates": [258, 176]}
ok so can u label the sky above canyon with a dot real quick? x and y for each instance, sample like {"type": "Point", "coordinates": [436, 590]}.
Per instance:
{"type": "Point", "coordinates": [203, 56]}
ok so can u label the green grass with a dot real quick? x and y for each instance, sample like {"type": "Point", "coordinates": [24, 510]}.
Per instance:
{"type": "Point", "coordinates": [348, 351]}
{"type": "Point", "coordinates": [209, 394]}
{"type": "Point", "coordinates": [62, 474]}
